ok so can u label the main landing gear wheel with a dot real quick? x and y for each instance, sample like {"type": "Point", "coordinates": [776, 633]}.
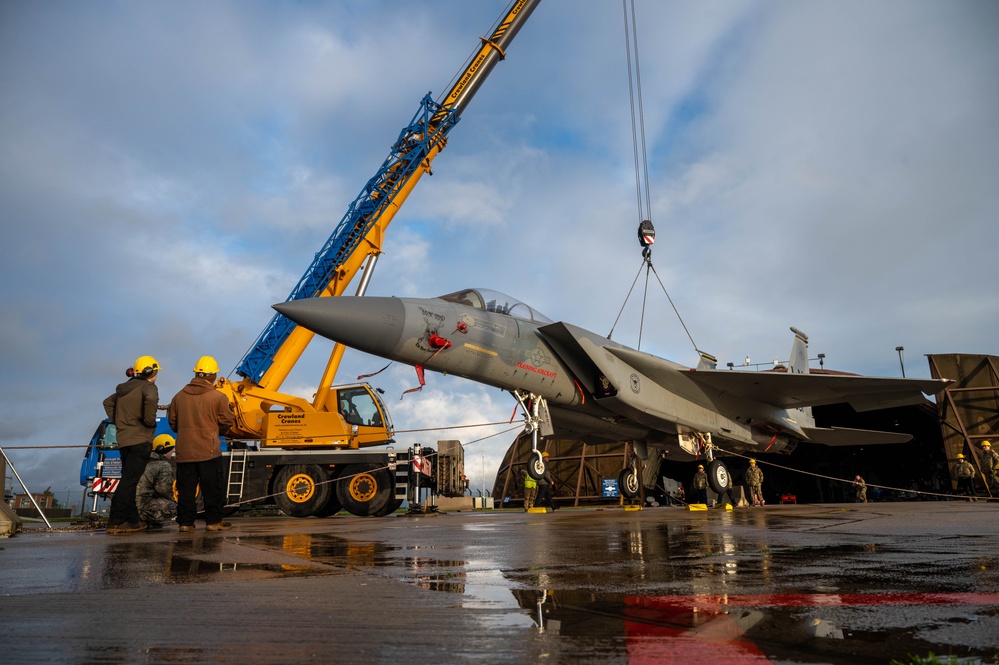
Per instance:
{"type": "Point", "coordinates": [627, 483]}
{"type": "Point", "coordinates": [536, 465]}
{"type": "Point", "coordinates": [365, 489]}
{"type": "Point", "coordinates": [718, 477]}
{"type": "Point", "coordinates": [301, 489]}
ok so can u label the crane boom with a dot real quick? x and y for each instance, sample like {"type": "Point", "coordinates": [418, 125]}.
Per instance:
{"type": "Point", "coordinates": [261, 410]}
{"type": "Point", "coordinates": [279, 346]}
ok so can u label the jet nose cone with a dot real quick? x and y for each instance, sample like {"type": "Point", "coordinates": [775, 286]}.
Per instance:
{"type": "Point", "coordinates": [373, 325]}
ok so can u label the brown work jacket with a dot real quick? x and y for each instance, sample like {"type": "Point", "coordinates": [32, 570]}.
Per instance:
{"type": "Point", "coordinates": [199, 414]}
{"type": "Point", "coordinates": [132, 409]}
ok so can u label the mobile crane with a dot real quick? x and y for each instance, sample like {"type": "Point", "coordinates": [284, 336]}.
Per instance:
{"type": "Point", "coordinates": [301, 446]}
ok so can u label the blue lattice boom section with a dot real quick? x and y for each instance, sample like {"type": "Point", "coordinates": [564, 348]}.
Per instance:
{"type": "Point", "coordinates": [408, 154]}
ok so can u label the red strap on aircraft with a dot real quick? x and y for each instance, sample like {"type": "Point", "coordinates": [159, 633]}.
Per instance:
{"type": "Point", "coordinates": [419, 375]}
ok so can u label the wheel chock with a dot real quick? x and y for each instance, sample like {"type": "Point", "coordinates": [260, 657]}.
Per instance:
{"type": "Point", "coordinates": [697, 506]}
{"type": "Point", "coordinates": [537, 511]}
{"type": "Point", "coordinates": [632, 508]}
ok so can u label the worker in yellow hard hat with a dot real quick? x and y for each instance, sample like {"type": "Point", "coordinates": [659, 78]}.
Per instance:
{"type": "Point", "coordinates": [132, 410]}
{"type": "Point", "coordinates": [754, 480]}
{"type": "Point", "coordinates": [990, 468]}
{"type": "Point", "coordinates": [200, 414]}
{"type": "Point", "coordinates": [699, 486]}
{"type": "Point", "coordinates": [965, 474]}
{"type": "Point", "coordinates": [154, 496]}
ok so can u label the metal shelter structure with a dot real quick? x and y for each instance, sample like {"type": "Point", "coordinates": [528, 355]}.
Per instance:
{"type": "Point", "coordinates": [577, 468]}
{"type": "Point", "coordinates": [969, 409]}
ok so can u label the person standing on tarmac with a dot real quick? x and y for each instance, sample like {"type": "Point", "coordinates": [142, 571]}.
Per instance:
{"type": "Point", "coordinates": [699, 486]}
{"type": "Point", "coordinates": [545, 486]}
{"type": "Point", "coordinates": [965, 474]}
{"type": "Point", "coordinates": [200, 414]}
{"type": "Point", "coordinates": [530, 491]}
{"type": "Point", "coordinates": [754, 478]}
{"type": "Point", "coordinates": [860, 487]}
{"type": "Point", "coordinates": [154, 495]}
{"type": "Point", "coordinates": [132, 409]}
{"type": "Point", "coordinates": [990, 467]}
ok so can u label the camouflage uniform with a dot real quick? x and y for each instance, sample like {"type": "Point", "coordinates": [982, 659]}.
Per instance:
{"type": "Point", "coordinates": [154, 495]}
{"type": "Point", "coordinates": [754, 478]}
{"type": "Point", "coordinates": [700, 487]}
{"type": "Point", "coordinates": [861, 490]}
{"type": "Point", "coordinates": [530, 491]}
{"type": "Point", "coordinates": [990, 467]}
{"type": "Point", "coordinates": [965, 474]}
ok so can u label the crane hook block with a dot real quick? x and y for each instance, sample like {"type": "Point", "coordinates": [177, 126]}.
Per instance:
{"type": "Point", "coordinates": [646, 233]}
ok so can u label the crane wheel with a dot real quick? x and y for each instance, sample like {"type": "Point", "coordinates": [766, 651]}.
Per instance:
{"type": "Point", "coordinates": [365, 489]}
{"type": "Point", "coordinates": [301, 489]}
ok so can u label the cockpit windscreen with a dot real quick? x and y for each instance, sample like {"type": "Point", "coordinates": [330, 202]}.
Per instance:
{"type": "Point", "coordinates": [494, 301]}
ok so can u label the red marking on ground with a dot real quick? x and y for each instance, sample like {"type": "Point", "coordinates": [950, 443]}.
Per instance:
{"type": "Point", "coordinates": [710, 629]}
{"type": "Point", "coordinates": [817, 599]}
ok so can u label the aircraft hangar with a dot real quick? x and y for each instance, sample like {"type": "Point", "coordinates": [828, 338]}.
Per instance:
{"type": "Point", "coordinates": [966, 414]}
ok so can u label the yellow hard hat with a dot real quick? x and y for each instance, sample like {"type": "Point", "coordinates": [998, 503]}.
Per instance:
{"type": "Point", "coordinates": [545, 454]}
{"type": "Point", "coordinates": [752, 461]}
{"type": "Point", "coordinates": [960, 456]}
{"type": "Point", "coordinates": [145, 366]}
{"type": "Point", "coordinates": [163, 443]}
{"type": "Point", "coordinates": [700, 466]}
{"type": "Point", "coordinates": [986, 443]}
{"type": "Point", "coordinates": [206, 365]}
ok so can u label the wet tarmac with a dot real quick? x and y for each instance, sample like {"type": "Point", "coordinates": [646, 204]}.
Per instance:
{"type": "Point", "coordinates": [780, 584]}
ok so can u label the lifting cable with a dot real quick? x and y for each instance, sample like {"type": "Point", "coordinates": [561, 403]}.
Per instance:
{"type": "Point", "coordinates": [850, 482]}
{"type": "Point", "coordinates": [646, 230]}
{"type": "Point", "coordinates": [338, 478]}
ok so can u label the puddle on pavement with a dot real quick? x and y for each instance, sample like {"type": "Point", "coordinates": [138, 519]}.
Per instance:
{"type": "Point", "coordinates": [852, 617]}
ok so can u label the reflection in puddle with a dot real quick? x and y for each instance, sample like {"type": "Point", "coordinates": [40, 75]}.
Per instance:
{"type": "Point", "coordinates": [673, 595]}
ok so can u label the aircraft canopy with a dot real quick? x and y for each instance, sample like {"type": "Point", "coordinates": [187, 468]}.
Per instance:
{"type": "Point", "coordinates": [494, 301]}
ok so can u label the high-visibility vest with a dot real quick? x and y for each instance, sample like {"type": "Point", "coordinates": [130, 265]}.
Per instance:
{"type": "Point", "coordinates": [530, 482]}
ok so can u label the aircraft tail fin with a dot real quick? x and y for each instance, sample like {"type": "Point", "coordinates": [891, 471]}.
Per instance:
{"type": "Point", "coordinates": [798, 364]}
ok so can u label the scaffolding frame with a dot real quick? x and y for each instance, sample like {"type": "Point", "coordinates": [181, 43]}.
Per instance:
{"type": "Point", "coordinates": [969, 408]}
{"type": "Point", "coordinates": [578, 472]}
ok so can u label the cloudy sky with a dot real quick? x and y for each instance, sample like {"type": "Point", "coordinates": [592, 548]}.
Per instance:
{"type": "Point", "coordinates": [169, 169]}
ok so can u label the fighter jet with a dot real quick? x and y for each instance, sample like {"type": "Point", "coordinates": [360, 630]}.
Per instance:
{"type": "Point", "coordinates": [578, 384]}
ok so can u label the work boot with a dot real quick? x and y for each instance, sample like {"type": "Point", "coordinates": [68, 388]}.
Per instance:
{"type": "Point", "coordinates": [219, 526]}
{"type": "Point", "coordinates": [186, 528]}
{"type": "Point", "coordinates": [127, 527]}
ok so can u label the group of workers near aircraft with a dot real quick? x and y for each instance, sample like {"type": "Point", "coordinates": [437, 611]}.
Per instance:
{"type": "Point", "coordinates": [964, 471]}
{"type": "Point", "coordinates": [200, 415]}
{"type": "Point", "coordinates": [966, 474]}
{"type": "Point", "coordinates": [754, 483]}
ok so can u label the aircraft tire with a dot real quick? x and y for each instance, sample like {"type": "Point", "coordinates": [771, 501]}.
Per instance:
{"type": "Point", "coordinates": [718, 477]}
{"type": "Point", "coordinates": [365, 489]}
{"type": "Point", "coordinates": [627, 483]}
{"type": "Point", "coordinates": [536, 465]}
{"type": "Point", "coordinates": [301, 489]}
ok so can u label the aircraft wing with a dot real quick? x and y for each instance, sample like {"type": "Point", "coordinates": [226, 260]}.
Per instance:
{"type": "Point", "coordinates": [792, 391]}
